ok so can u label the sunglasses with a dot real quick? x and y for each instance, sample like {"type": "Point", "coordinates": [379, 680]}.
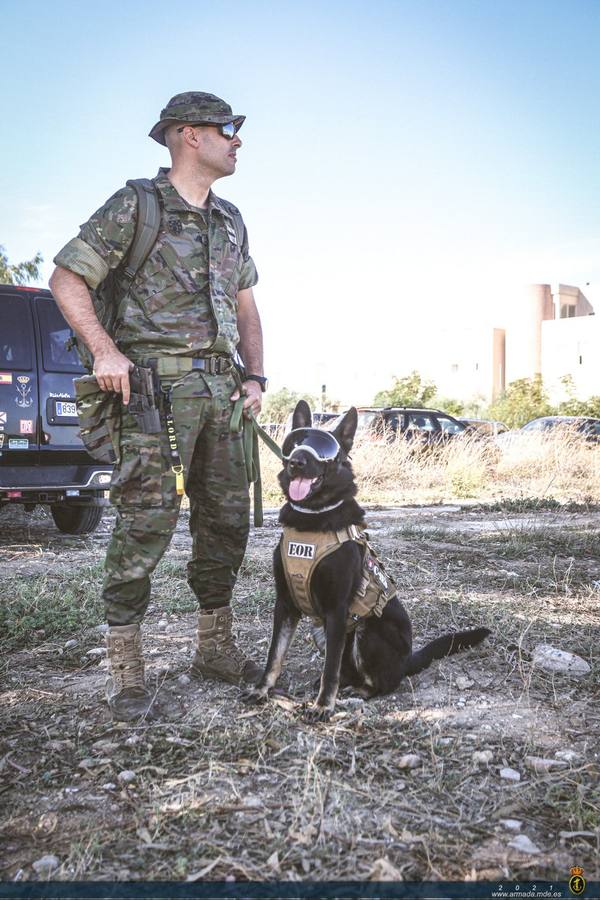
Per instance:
{"type": "Point", "coordinates": [320, 444]}
{"type": "Point", "coordinates": [228, 130]}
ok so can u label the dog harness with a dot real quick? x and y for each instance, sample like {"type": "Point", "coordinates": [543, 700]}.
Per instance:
{"type": "Point", "coordinates": [301, 553]}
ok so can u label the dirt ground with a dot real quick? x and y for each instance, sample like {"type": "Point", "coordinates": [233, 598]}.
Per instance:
{"type": "Point", "coordinates": [438, 781]}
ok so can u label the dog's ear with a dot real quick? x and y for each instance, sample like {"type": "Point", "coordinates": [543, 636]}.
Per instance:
{"type": "Point", "coordinates": [346, 430]}
{"type": "Point", "coordinates": [302, 417]}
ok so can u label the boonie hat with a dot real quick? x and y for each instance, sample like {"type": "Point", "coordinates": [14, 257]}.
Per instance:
{"type": "Point", "coordinates": [195, 108]}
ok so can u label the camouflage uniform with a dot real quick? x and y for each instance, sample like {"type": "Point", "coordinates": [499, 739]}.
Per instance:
{"type": "Point", "coordinates": [182, 302]}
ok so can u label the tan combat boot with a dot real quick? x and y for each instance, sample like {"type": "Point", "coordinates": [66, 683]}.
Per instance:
{"type": "Point", "coordinates": [217, 655]}
{"type": "Point", "coordinates": [125, 689]}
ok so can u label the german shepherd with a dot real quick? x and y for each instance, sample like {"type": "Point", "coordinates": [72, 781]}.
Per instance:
{"type": "Point", "coordinates": [377, 654]}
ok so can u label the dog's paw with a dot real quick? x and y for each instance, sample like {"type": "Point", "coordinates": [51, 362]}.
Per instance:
{"type": "Point", "coordinates": [316, 713]}
{"type": "Point", "coordinates": [254, 696]}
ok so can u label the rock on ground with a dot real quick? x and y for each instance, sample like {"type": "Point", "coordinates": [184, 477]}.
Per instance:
{"type": "Point", "coordinates": [47, 864]}
{"type": "Point", "coordinates": [523, 844]}
{"type": "Point", "coordinates": [510, 774]}
{"type": "Point", "coordinates": [554, 660]}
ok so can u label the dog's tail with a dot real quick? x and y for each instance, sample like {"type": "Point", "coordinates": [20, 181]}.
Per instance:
{"type": "Point", "coordinates": [445, 646]}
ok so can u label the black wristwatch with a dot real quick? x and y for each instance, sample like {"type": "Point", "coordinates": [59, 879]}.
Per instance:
{"type": "Point", "coordinates": [264, 382]}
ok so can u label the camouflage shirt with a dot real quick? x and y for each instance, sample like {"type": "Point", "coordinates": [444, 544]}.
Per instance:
{"type": "Point", "coordinates": [183, 300]}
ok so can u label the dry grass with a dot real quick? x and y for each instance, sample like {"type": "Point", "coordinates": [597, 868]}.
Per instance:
{"type": "Point", "coordinates": [223, 791]}
{"type": "Point", "coordinates": [559, 465]}
{"type": "Point", "coordinates": [226, 791]}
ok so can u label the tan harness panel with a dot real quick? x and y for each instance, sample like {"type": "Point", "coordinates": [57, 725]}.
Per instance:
{"type": "Point", "coordinates": [302, 551]}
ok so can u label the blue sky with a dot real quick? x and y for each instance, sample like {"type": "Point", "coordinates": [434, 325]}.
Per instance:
{"type": "Point", "coordinates": [404, 163]}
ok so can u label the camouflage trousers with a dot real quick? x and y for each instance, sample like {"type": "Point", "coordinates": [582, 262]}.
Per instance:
{"type": "Point", "coordinates": [143, 492]}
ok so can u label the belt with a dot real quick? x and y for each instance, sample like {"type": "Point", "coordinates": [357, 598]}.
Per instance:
{"type": "Point", "coordinates": [169, 366]}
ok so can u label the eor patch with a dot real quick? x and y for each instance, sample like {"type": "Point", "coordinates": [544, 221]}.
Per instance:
{"type": "Point", "coordinates": [301, 551]}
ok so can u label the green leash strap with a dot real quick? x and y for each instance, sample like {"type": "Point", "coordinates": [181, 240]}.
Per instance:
{"type": "Point", "coordinates": [252, 426]}
{"type": "Point", "coordinates": [251, 433]}
{"type": "Point", "coordinates": [262, 434]}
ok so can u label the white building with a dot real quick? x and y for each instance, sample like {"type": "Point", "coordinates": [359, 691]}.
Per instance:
{"type": "Point", "coordinates": [547, 330]}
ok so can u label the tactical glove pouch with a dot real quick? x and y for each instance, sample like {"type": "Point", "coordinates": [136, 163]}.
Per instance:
{"type": "Point", "coordinates": [99, 419]}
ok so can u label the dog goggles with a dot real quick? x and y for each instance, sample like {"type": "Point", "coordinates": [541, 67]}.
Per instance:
{"type": "Point", "coordinates": [228, 129]}
{"type": "Point", "coordinates": [320, 444]}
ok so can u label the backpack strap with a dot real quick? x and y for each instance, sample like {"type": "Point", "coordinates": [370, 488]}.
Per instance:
{"type": "Point", "coordinates": [146, 228]}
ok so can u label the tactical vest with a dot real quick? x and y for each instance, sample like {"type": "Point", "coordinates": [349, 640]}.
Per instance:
{"type": "Point", "coordinates": [302, 551]}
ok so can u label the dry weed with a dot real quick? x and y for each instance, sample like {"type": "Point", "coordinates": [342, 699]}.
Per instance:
{"type": "Point", "coordinates": [559, 465]}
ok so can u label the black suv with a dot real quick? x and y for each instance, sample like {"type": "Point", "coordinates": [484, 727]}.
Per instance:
{"type": "Point", "coordinates": [426, 426]}
{"type": "Point", "coordinates": [42, 459]}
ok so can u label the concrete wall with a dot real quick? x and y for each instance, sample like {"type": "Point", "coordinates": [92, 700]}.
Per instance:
{"type": "Point", "coordinates": [569, 302]}
{"type": "Point", "coordinates": [461, 362]}
{"type": "Point", "coordinates": [498, 364]}
{"type": "Point", "coordinates": [570, 347]}
{"type": "Point", "coordinates": [526, 310]}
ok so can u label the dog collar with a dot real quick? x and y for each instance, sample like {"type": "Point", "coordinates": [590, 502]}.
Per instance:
{"type": "Point", "coordinates": [315, 512]}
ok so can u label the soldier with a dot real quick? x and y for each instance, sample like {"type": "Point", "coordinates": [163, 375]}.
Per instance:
{"type": "Point", "coordinates": [187, 311]}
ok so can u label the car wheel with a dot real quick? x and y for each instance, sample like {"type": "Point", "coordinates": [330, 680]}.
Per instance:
{"type": "Point", "coordinates": [76, 519]}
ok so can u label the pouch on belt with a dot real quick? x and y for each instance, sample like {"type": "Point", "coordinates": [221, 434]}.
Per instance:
{"type": "Point", "coordinates": [99, 415]}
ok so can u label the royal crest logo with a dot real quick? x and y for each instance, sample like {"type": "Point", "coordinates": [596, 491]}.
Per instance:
{"type": "Point", "coordinates": [24, 391]}
{"type": "Point", "coordinates": [577, 881]}
{"type": "Point", "coordinates": [301, 551]}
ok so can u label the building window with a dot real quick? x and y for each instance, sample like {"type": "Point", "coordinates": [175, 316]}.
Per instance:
{"type": "Point", "coordinates": [454, 367]}
{"type": "Point", "coordinates": [567, 311]}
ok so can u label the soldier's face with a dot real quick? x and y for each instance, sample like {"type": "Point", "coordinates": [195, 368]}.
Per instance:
{"type": "Point", "coordinates": [217, 152]}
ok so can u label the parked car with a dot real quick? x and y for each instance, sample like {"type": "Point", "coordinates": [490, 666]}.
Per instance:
{"type": "Point", "coordinates": [532, 431]}
{"type": "Point", "coordinates": [586, 425]}
{"type": "Point", "coordinates": [320, 420]}
{"type": "Point", "coordinates": [426, 426]}
{"type": "Point", "coordinates": [42, 458]}
{"type": "Point", "coordinates": [486, 427]}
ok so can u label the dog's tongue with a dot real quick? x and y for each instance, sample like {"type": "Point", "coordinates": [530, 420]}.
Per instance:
{"type": "Point", "coordinates": [300, 488]}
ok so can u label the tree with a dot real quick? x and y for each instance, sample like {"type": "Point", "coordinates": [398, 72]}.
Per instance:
{"type": "Point", "coordinates": [574, 407]}
{"type": "Point", "coordinates": [449, 405]}
{"type": "Point", "coordinates": [20, 273]}
{"type": "Point", "coordinates": [411, 390]}
{"type": "Point", "coordinates": [523, 400]}
{"type": "Point", "coordinates": [279, 405]}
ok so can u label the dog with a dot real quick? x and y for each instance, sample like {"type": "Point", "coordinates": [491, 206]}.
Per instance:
{"type": "Point", "coordinates": [368, 644]}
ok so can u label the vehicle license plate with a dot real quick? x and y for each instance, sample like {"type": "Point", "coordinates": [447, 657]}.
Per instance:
{"type": "Point", "coordinates": [65, 408]}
